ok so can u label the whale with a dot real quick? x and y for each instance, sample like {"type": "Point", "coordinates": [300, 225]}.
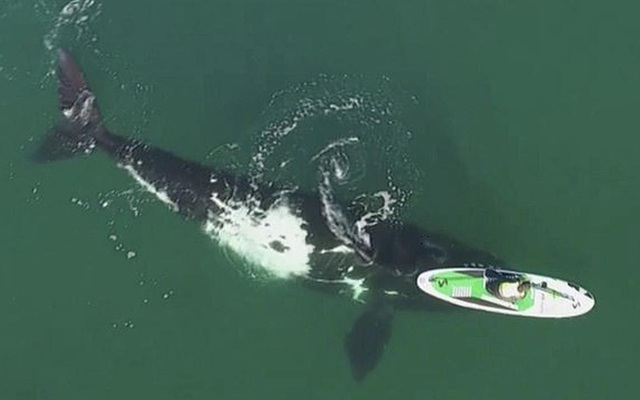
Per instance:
{"type": "Point", "coordinates": [305, 235]}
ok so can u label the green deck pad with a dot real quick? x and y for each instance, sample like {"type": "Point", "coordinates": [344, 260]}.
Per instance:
{"type": "Point", "coordinates": [447, 282]}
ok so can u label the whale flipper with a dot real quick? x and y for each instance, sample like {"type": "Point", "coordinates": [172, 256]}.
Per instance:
{"type": "Point", "coordinates": [367, 339]}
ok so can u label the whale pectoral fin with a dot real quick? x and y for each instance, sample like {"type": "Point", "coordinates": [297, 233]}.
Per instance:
{"type": "Point", "coordinates": [367, 339]}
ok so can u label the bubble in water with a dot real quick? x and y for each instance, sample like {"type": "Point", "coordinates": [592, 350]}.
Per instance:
{"type": "Point", "coordinates": [344, 137]}
{"type": "Point", "coordinates": [74, 18]}
{"type": "Point", "coordinates": [349, 128]}
{"type": "Point", "coordinates": [168, 294]}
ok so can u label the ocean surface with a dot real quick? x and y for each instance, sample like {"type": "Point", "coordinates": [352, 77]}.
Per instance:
{"type": "Point", "coordinates": [511, 125]}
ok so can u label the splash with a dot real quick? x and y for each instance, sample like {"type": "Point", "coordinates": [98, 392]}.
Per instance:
{"type": "Point", "coordinates": [346, 124]}
{"type": "Point", "coordinates": [74, 18]}
{"type": "Point", "coordinates": [343, 166]}
{"type": "Point", "coordinates": [346, 136]}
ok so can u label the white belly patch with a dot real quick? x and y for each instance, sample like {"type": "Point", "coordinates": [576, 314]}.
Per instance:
{"type": "Point", "coordinates": [162, 195]}
{"type": "Point", "coordinates": [274, 239]}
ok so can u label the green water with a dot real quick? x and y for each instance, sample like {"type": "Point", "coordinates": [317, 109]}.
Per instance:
{"type": "Point", "coordinates": [524, 129]}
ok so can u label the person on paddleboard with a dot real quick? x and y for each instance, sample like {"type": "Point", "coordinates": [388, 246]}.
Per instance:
{"type": "Point", "coordinates": [505, 286]}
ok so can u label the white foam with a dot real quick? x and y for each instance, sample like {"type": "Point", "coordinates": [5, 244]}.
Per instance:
{"type": "Point", "coordinates": [274, 239]}
{"type": "Point", "coordinates": [338, 249]}
{"type": "Point", "coordinates": [77, 15]}
{"type": "Point", "coordinates": [384, 212]}
{"type": "Point", "coordinates": [337, 143]}
{"type": "Point", "coordinates": [338, 222]}
{"type": "Point", "coordinates": [357, 286]}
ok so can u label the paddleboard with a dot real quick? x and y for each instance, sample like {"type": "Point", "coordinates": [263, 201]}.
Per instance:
{"type": "Point", "coordinates": [470, 287]}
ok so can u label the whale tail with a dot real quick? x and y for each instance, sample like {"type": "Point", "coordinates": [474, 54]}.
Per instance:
{"type": "Point", "coordinates": [77, 134]}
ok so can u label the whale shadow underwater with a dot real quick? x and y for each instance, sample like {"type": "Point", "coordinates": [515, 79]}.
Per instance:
{"type": "Point", "coordinates": [321, 245]}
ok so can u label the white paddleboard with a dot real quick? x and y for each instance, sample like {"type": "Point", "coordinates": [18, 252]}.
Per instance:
{"type": "Point", "coordinates": [545, 298]}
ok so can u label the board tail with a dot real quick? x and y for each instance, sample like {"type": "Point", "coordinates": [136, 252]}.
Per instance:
{"type": "Point", "coordinates": [82, 126]}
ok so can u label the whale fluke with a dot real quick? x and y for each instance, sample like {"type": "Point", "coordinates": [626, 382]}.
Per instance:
{"type": "Point", "coordinates": [77, 133]}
